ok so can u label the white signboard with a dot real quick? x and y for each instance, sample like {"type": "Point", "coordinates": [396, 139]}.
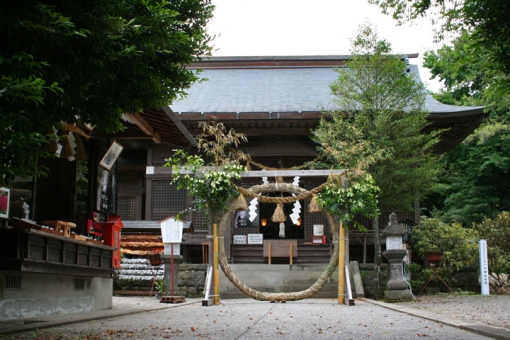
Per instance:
{"type": "Point", "coordinates": [171, 231]}
{"type": "Point", "coordinates": [255, 238]}
{"type": "Point", "coordinates": [239, 239]}
{"type": "Point", "coordinates": [318, 230]}
{"type": "Point", "coordinates": [394, 242]}
{"type": "Point", "coordinates": [484, 267]}
{"type": "Point", "coordinates": [175, 246]}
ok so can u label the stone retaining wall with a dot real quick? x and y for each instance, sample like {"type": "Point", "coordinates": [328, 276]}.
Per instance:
{"type": "Point", "coordinates": [191, 280]}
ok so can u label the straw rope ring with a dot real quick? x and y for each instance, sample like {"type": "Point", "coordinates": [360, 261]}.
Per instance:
{"type": "Point", "coordinates": [265, 296]}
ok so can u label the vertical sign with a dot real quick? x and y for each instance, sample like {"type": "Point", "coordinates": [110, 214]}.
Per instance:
{"type": "Point", "coordinates": [484, 267]}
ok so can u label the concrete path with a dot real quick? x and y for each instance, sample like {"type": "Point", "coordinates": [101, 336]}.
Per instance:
{"type": "Point", "coordinates": [250, 319]}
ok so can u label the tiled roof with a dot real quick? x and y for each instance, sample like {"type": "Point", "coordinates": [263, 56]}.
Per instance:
{"type": "Point", "coordinates": [294, 89]}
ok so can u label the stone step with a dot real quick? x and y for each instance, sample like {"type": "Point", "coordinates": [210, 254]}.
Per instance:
{"type": "Point", "coordinates": [278, 278]}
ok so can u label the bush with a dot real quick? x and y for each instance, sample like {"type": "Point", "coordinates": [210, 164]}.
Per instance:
{"type": "Point", "coordinates": [497, 234]}
{"type": "Point", "coordinates": [458, 245]}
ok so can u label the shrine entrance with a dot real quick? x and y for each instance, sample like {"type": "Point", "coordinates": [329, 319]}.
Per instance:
{"type": "Point", "coordinates": [271, 230]}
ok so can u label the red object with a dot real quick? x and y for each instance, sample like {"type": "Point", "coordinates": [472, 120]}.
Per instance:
{"type": "Point", "coordinates": [111, 236]}
{"type": "Point", "coordinates": [94, 228]}
{"type": "Point", "coordinates": [433, 257]}
{"type": "Point", "coordinates": [319, 240]}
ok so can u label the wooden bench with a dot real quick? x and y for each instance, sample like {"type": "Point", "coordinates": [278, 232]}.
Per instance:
{"type": "Point", "coordinates": [280, 248]}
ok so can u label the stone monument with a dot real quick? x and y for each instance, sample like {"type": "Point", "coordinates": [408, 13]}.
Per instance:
{"type": "Point", "coordinates": [398, 288]}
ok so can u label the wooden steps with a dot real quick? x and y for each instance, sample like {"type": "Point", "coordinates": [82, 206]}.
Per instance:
{"type": "Point", "coordinates": [307, 253]}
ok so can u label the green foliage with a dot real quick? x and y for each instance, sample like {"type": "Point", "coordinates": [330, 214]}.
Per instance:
{"type": "Point", "coordinates": [354, 194]}
{"type": "Point", "coordinates": [420, 276]}
{"type": "Point", "coordinates": [458, 245]}
{"type": "Point", "coordinates": [467, 74]}
{"type": "Point", "coordinates": [485, 21]}
{"type": "Point", "coordinates": [379, 128]}
{"type": "Point", "coordinates": [474, 185]}
{"type": "Point", "coordinates": [160, 286]}
{"type": "Point", "coordinates": [497, 233]}
{"type": "Point", "coordinates": [481, 173]}
{"type": "Point", "coordinates": [89, 62]}
{"type": "Point", "coordinates": [216, 142]}
{"type": "Point", "coordinates": [211, 187]}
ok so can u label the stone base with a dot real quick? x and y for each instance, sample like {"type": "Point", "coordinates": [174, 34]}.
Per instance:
{"type": "Point", "coordinates": [398, 295]}
{"type": "Point", "coordinates": [172, 299]}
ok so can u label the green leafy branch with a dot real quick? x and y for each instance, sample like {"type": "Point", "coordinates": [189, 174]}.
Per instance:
{"type": "Point", "coordinates": [346, 197]}
{"type": "Point", "coordinates": [212, 187]}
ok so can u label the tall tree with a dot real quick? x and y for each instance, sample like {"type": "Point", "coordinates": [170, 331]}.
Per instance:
{"type": "Point", "coordinates": [475, 180]}
{"type": "Point", "coordinates": [88, 62]}
{"type": "Point", "coordinates": [379, 127]}
{"type": "Point", "coordinates": [485, 21]}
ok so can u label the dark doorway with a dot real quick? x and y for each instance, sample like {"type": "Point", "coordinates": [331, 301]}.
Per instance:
{"type": "Point", "coordinates": [271, 230]}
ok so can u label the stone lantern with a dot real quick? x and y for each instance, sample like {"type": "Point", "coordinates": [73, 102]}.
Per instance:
{"type": "Point", "coordinates": [398, 288]}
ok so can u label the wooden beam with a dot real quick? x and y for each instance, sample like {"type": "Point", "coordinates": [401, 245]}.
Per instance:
{"type": "Point", "coordinates": [161, 170]}
{"type": "Point", "coordinates": [139, 121]}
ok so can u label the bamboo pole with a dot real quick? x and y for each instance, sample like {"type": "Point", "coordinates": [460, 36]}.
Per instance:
{"type": "Point", "coordinates": [215, 265]}
{"type": "Point", "coordinates": [269, 253]}
{"type": "Point", "coordinates": [341, 265]}
{"type": "Point", "coordinates": [290, 252]}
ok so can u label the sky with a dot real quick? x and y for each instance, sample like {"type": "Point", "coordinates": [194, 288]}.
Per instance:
{"type": "Point", "coordinates": [311, 27]}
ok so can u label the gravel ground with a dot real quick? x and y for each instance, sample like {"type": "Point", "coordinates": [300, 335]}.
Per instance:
{"type": "Point", "coordinates": [247, 319]}
{"type": "Point", "coordinates": [123, 302]}
{"type": "Point", "coordinates": [490, 310]}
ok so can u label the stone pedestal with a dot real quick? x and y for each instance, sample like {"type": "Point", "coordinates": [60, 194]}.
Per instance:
{"type": "Point", "coordinates": [398, 289]}
{"type": "Point", "coordinates": [169, 275]}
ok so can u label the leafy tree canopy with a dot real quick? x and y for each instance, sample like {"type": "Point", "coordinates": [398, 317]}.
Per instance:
{"type": "Point", "coordinates": [486, 22]}
{"type": "Point", "coordinates": [475, 180]}
{"type": "Point", "coordinates": [88, 62]}
{"type": "Point", "coordinates": [379, 126]}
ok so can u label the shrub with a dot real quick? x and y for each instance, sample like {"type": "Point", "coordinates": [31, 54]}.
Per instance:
{"type": "Point", "coordinates": [458, 245]}
{"type": "Point", "coordinates": [497, 233]}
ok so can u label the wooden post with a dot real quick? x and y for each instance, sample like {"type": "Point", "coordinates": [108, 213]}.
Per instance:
{"type": "Point", "coordinates": [341, 265]}
{"type": "Point", "coordinates": [173, 269]}
{"type": "Point", "coordinates": [290, 252]}
{"type": "Point", "coordinates": [215, 265]}
{"type": "Point", "coordinates": [364, 249]}
{"type": "Point", "coordinates": [269, 253]}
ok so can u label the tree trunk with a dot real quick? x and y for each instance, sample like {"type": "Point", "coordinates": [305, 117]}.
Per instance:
{"type": "Point", "coordinates": [377, 241]}
{"type": "Point", "coordinates": [377, 254]}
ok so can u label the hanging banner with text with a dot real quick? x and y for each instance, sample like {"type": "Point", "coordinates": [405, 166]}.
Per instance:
{"type": "Point", "coordinates": [484, 267]}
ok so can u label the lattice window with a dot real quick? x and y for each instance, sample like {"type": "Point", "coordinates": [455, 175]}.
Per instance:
{"type": "Point", "coordinates": [167, 200]}
{"type": "Point", "coordinates": [127, 207]}
{"type": "Point", "coordinates": [315, 218]}
{"type": "Point", "coordinates": [199, 225]}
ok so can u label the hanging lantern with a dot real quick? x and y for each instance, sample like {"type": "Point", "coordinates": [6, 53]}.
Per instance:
{"type": "Point", "coordinates": [241, 204]}
{"type": "Point", "coordinates": [314, 206]}
{"type": "Point", "coordinates": [278, 215]}
{"type": "Point", "coordinates": [282, 230]}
